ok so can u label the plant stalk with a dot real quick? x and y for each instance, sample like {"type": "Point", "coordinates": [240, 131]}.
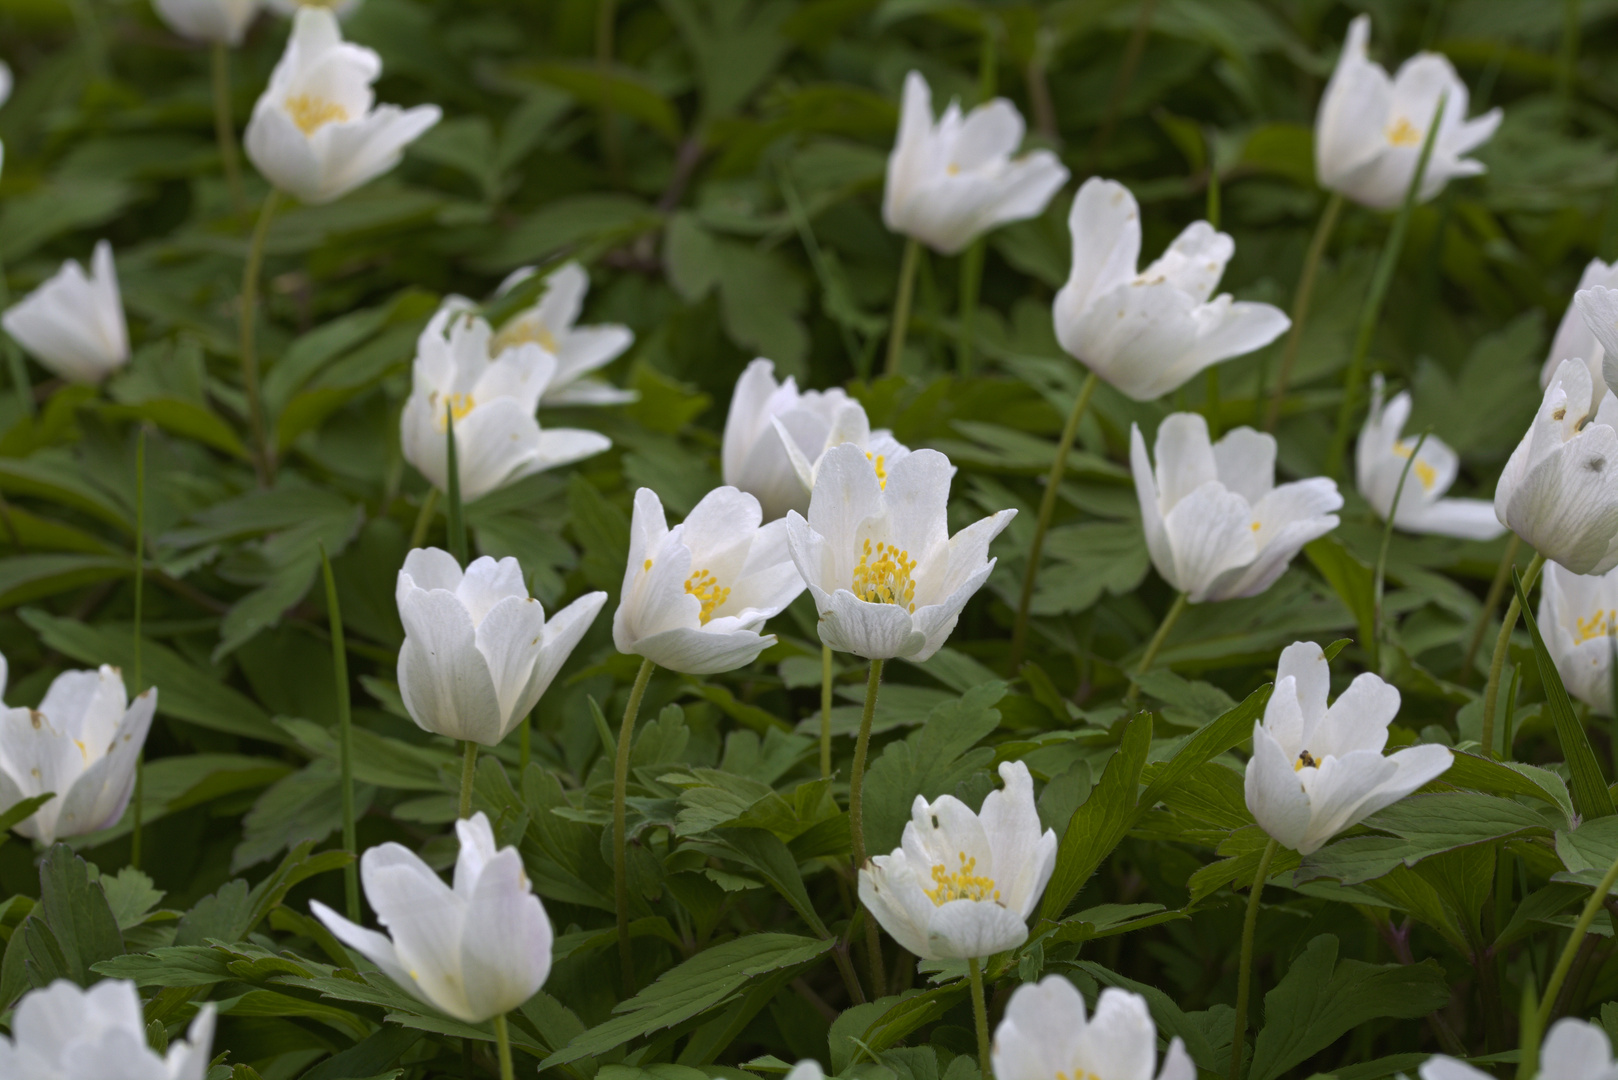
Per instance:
{"type": "Point", "coordinates": [469, 771]}
{"type": "Point", "coordinates": [901, 305]}
{"type": "Point", "coordinates": [502, 1040]}
{"type": "Point", "coordinates": [1375, 644]}
{"type": "Point", "coordinates": [1156, 644]}
{"type": "Point", "coordinates": [1502, 644]}
{"type": "Point", "coordinates": [452, 471]}
{"type": "Point", "coordinates": [263, 460]}
{"type": "Point", "coordinates": [424, 519]}
{"type": "Point", "coordinates": [1491, 601]}
{"type": "Point", "coordinates": [620, 823]}
{"type": "Point", "coordinates": [1300, 305]}
{"type": "Point", "coordinates": [825, 712]}
{"type": "Point", "coordinates": [1547, 1001]}
{"type": "Point", "coordinates": [980, 1015]}
{"type": "Point", "coordinates": [140, 591]}
{"type": "Point", "coordinates": [345, 741]}
{"type": "Point", "coordinates": [225, 129]}
{"type": "Point", "coordinates": [856, 816]}
{"type": "Point", "coordinates": [1244, 972]}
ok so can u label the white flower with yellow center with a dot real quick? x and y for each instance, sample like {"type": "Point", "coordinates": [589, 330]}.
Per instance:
{"type": "Point", "coordinates": [62, 1032]}
{"type": "Point", "coordinates": [1046, 1036]}
{"type": "Point", "coordinates": [579, 350]}
{"type": "Point", "coordinates": [317, 132]}
{"type": "Point", "coordinates": [962, 885]}
{"type": "Point", "coordinates": [1381, 462]}
{"type": "Point", "coordinates": [1575, 340]}
{"type": "Point", "coordinates": [1578, 614]}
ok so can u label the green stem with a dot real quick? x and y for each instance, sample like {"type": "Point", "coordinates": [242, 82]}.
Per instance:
{"type": "Point", "coordinates": [825, 712]}
{"type": "Point", "coordinates": [620, 823]}
{"type": "Point", "coordinates": [1567, 58]}
{"type": "Point", "coordinates": [263, 462]}
{"type": "Point", "coordinates": [424, 519]}
{"type": "Point", "coordinates": [1502, 644]}
{"type": "Point", "coordinates": [1211, 406]}
{"type": "Point", "coordinates": [16, 366]}
{"type": "Point", "coordinates": [140, 590]}
{"type": "Point", "coordinates": [469, 771]}
{"type": "Point", "coordinates": [225, 129]}
{"type": "Point", "coordinates": [980, 1015]}
{"type": "Point", "coordinates": [502, 1040]}
{"type": "Point", "coordinates": [971, 283]}
{"type": "Point", "coordinates": [1491, 601]}
{"type": "Point", "coordinates": [901, 305]}
{"type": "Point", "coordinates": [1244, 970]}
{"type": "Point", "coordinates": [1156, 644]}
{"type": "Point", "coordinates": [1047, 510]}
{"type": "Point", "coordinates": [452, 472]}
{"type": "Point", "coordinates": [525, 744]}
{"type": "Point", "coordinates": [1300, 305]}
{"type": "Point", "coordinates": [345, 742]}
{"type": "Point", "coordinates": [606, 20]}
{"type": "Point", "coordinates": [1547, 1001]}
{"type": "Point", "coordinates": [1375, 644]}
{"type": "Point", "coordinates": [856, 812]}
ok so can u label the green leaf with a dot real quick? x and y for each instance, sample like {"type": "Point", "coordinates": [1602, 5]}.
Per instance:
{"type": "Point", "coordinates": [174, 965]}
{"type": "Point", "coordinates": [1423, 826]}
{"type": "Point", "coordinates": [1232, 729]}
{"type": "Point", "coordinates": [1105, 818]}
{"type": "Point", "coordinates": [75, 908]}
{"type": "Point", "coordinates": [1351, 579]}
{"type": "Point", "coordinates": [1588, 851]}
{"type": "Point", "coordinates": [625, 90]}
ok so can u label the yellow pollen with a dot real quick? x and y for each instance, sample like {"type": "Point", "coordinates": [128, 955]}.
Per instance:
{"type": "Point", "coordinates": [963, 884]}
{"type": "Point", "coordinates": [1305, 760]}
{"type": "Point", "coordinates": [1404, 133]}
{"type": "Point", "coordinates": [1078, 1074]}
{"type": "Point", "coordinates": [1601, 624]}
{"type": "Point", "coordinates": [954, 169]}
{"type": "Point", "coordinates": [459, 406]}
{"type": "Point", "coordinates": [312, 113]}
{"type": "Point", "coordinates": [84, 751]}
{"type": "Point", "coordinates": [879, 462]}
{"type": "Point", "coordinates": [527, 330]}
{"type": "Point", "coordinates": [648, 565]}
{"type": "Point", "coordinates": [1257, 525]}
{"type": "Point", "coordinates": [705, 587]}
{"type": "Point", "coordinates": [883, 577]}
{"type": "Point", "coordinates": [1426, 475]}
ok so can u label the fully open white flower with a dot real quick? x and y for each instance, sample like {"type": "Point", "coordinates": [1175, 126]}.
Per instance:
{"type": "Point", "coordinates": [1574, 339]}
{"type": "Point", "coordinates": [1559, 490]}
{"type": "Point", "coordinates": [579, 350]}
{"type": "Point", "coordinates": [81, 743]}
{"type": "Point", "coordinates": [962, 885]}
{"type": "Point", "coordinates": [776, 435]}
{"type": "Point", "coordinates": [73, 324]}
{"type": "Point", "coordinates": [951, 181]}
{"type": "Point", "coordinates": [1315, 770]}
{"type": "Point", "coordinates": [1573, 1050]}
{"type": "Point", "coordinates": [1578, 615]}
{"type": "Point", "coordinates": [62, 1032]}
{"type": "Point", "coordinates": [1046, 1036]}
{"type": "Point", "coordinates": [222, 21]}
{"type": "Point", "coordinates": [478, 650]}
{"type": "Point", "coordinates": [1370, 128]}
{"type": "Point", "coordinates": [875, 551]}
{"type": "Point", "coordinates": [1216, 524]}
{"type": "Point", "coordinates": [498, 440]}
{"type": "Point", "coordinates": [1381, 461]}
{"type": "Point", "coordinates": [1147, 333]}
{"type": "Point", "coordinates": [695, 596]}
{"type": "Point", "coordinates": [474, 951]}
{"type": "Point", "coordinates": [317, 132]}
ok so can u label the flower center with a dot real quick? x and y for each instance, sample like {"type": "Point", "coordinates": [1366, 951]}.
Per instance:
{"type": "Point", "coordinates": [705, 587]}
{"type": "Point", "coordinates": [459, 406]}
{"type": "Point", "coordinates": [1305, 761]}
{"type": "Point", "coordinates": [1403, 133]}
{"type": "Point", "coordinates": [1078, 1074]}
{"type": "Point", "coordinates": [524, 331]}
{"type": "Point", "coordinates": [312, 113]}
{"type": "Point", "coordinates": [1425, 473]}
{"type": "Point", "coordinates": [963, 884]}
{"type": "Point", "coordinates": [1601, 624]}
{"type": "Point", "coordinates": [879, 463]}
{"type": "Point", "coordinates": [883, 576]}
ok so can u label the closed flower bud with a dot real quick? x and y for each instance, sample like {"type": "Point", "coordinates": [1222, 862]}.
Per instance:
{"type": "Point", "coordinates": [1046, 1036]}
{"type": "Point", "coordinates": [579, 350]}
{"type": "Point", "coordinates": [1574, 339]}
{"type": "Point", "coordinates": [474, 951]}
{"type": "Point", "coordinates": [61, 1032]}
{"type": "Point", "coordinates": [1148, 333]}
{"type": "Point", "coordinates": [1383, 460]}
{"type": "Point", "coordinates": [73, 324]}
{"type": "Point", "coordinates": [1578, 614]}
{"type": "Point", "coordinates": [220, 21]}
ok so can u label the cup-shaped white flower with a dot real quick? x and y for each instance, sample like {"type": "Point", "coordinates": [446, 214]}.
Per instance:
{"type": "Point", "coordinates": [81, 743]}
{"type": "Point", "coordinates": [1578, 614]}
{"type": "Point", "coordinates": [1316, 770]}
{"type": "Point", "coordinates": [887, 578]}
{"type": "Point", "coordinates": [961, 885]}
{"type": "Point", "coordinates": [498, 440]}
{"type": "Point", "coordinates": [342, 8]}
{"type": "Point", "coordinates": [73, 324]}
{"type": "Point", "coordinates": [478, 650]}
{"type": "Point", "coordinates": [1573, 1050]}
{"type": "Point", "coordinates": [776, 435]}
{"type": "Point", "coordinates": [61, 1032]}
{"type": "Point", "coordinates": [1370, 128]}
{"type": "Point", "coordinates": [695, 596]}
{"type": "Point", "coordinates": [1574, 339]}
{"type": "Point", "coordinates": [221, 21]}
{"type": "Point", "coordinates": [1217, 526]}
{"type": "Point", "coordinates": [317, 132]}
{"type": "Point", "coordinates": [474, 951]}
{"type": "Point", "coordinates": [1381, 462]}
{"type": "Point", "coordinates": [807, 1069]}
{"type": "Point", "coordinates": [1045, 1035]}
{"type": "Point", "coordinates": [1559, 490]}
{"type": "Point", "coordinates": [1148, 333]}
{"type": "Point", "coordinates": [579, 350]}
{"type": "Point", "coordinates": [951, 181]}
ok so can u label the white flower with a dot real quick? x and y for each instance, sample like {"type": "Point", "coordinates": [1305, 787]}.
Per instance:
{"type": "Point", "coordinates": [1575, 340]}
{"type": "Point", "coordinates": [887, 578]}
{"type": "Point", "coordinates": [475, 951]}
{"type": "Point", "coordinates": [1045, 1036]}
{"type": "Point", "coordinates": [1148, 333]}
{"type": "Point", "coordinates": [498, 440]}
{"type": "Point", "coordinates": [579, 350]}
{"type": "Point", "coordinates": [1559, 490]}
{"type": "Point", "coordinates": [1573, 1050]}
{"type": "Point", "coordinates": [60, 1032]}
{"type": "Point", "coordinates": [1370, 128]}
{"type": "Point", "coordinates": [1381, 461]}
{"type": "Point", "coordinates": [951, 181]}
{"type": "Point", "coordinates": [74, 323]}
{"type": "Point", "coordinates": [694, 596]}
{"type": "Point", "coordinates": [317, 132]}
{"type": "Point", "coordinates": [343, 8]}
{"type": "Point", "coordinates": [1578, 614]}
{"type": "Point", "coordinates": [81, 743]}
{"type": "Point", "coordinates": [5, 82]}
{"type": "Point", "coordinates": [478, 651]}
{"type": "Point", "coordinates": [776, 436]}
{"type": "Point", "coordinates": [221, 21]}
{"type": "Point", "coordinates": [962, 885]}
{"type": "Point", "coordinates": [1315, 770]}
{"type": "Point", "coordinates": [807, 1069]}
{"type": "Point", "coordinates": [1216, 525]}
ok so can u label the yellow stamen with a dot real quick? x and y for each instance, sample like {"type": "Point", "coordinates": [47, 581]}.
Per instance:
{"type": "Point", "coordinates": [1305, 760]}
{"type": "Point", "coordinates": [1257, 525]}
{"type": "Point", "coordinates": [963, 884]}
{"type": "Point", "coordinates": [705, 587]}
{"type": "Point", "coordinates": [879, 462]}
{"type": "Point", "coordinates": [648, 565]}
{"type": "Point", "coordinates": [1426, 475]}
{"type": "Point", "coordinates": [1601, 624]}
{"type": "Point", "coordinates": [459, 406]}
{"type": "Point", "coordinates": [312, 113]}
{"type": "Point", "coordinates": [883, 577]}
{"type": "Point", "coordinates": [527, 330]}
{"type": "Point", "coordinates": [1404, 133]}
{"type": "Point", "coordinates": [954, 169]}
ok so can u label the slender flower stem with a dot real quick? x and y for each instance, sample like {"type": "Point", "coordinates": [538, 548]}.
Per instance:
{"type": "Point", "coordinates": [620, 823]}
{"type": "Point", "coordinates": [1547, 1001]}
{"type": "Point", "coordinates": [225, 129]}
{"type": "Point", "coordinates": [1497, 665]}
{"type": "Point", "coordinates": [345, 741]}
{"type": "Point", "coordinates": [825, 712]}
{"type": "Point", "coordinates": [140, 590]}
{"type": "Point", "coordinates": [1300, 305]}
{"type": "Point", "coordinates": [424, 519]}
{"type": "Point", "coordinates": [971, 283]}
{"type": "Point", "coordinates": [452, 470]}
{"type": "Point", "coordinates": [901, 305]}
{"type": "Point", "coordinates": [502, 1040]}
{"type": "Point", "coordinates": [1047, 509]}
{"type": "Point", "coordinates": [469, 771]}
{"type": "Point", "coordinates": [1374, 646]}
{"type": "Point", "coordinates": [606, 23]}
{"type": "Point", "coordinates": [1491, 601]}
{"type": "Point", "coordinates": [1156, 644]}
{"type": "Point", "coordinates": [1244, 971]}
{"type": "Point", "coordinates": [980, 1015]}
{"type": "Point", "coordinates": [856, 817]}
{"type": "Point", "coordinates": [263, 462]}
{"type": "Point", "coordinates": [525, 745]}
